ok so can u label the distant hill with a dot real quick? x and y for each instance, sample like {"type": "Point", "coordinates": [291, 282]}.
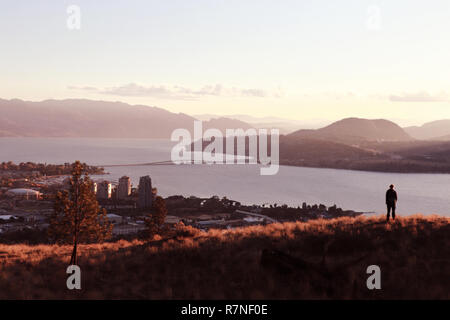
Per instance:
{"type": "Point", "coordinates": [362, 144]}
{"type": "Point", "coordinates": [388, 156]}
{"type": "Point", "coordinates": [225, 123]}
{"type": "Point", "coordinates": [285, 126]}
{"type": "Point", "coordinates": [442, 138]}
{"type": "Point", "coordinates": [435, 130]}
{"type": "Point", "coordinates": [101, 119]}
{"type": "Point", "coordinates": [354, 130]}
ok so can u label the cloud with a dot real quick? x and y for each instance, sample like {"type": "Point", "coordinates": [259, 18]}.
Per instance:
{"type": "Point", "coordinates": [135, 90]}
{"type": "Point", "coordinates": [177, 92]}
{"type": "Point", "coordinates": [420, 97]}
{"type": "Point", "coordinates": [332, 95]}
{"type": "Point", "coordinates": [82, 88]}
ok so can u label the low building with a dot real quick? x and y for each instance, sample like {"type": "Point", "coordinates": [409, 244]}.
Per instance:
{"type": "Point", "coordinates": [34, 218]}
{"type": "Point", "coordinates": [210, 222]}
{"type": "Point", "coordinates": [7, 217]}
{"type": "Point", "coordinates": [21, 193]}
{"type": "Point", "coordinates": [172, 219]}
{"type": "Point", "coordinates": [114, 218]}
{"type": "Point", "coordinates": [204, 217]}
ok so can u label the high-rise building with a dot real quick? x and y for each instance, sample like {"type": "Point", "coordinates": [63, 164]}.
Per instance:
{"type": "Point", "coordinates": [94, 187]}
{"type": "Point", "coordinates": [145, 192]}
{"type": "Point", "coordinates": [124, 188]}
{"type": "Point", "coordinates": [104, 190]}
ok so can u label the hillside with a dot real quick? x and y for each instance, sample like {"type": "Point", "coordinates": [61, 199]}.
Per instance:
{"type": "Point", "coordinates": [442, 138]}
{"type": "Point", "coordinates": [321, 259]}
{"type": "Point", "coordinates": [101, 119]}
{"type": "Point", "coordinates": [435, 130]}
{"type": "Point", "coordinates": [389, 156]}
{"type": "Point", "coordinates": [355, 130]}
{"type": "Point", "coordinates": [285, 126]}
{"type": "Point", "coordinates": [222, 124]}
{"type": "Point", "coordinates": [362, 144]}
{"type": "Point", "coordinates": [307, 151]}
{"type": "Point", "coordinates": [414, 156]}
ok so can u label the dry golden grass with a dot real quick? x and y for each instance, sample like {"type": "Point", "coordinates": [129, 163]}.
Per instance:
{"type": "Point", "coordinates": [320, 259]}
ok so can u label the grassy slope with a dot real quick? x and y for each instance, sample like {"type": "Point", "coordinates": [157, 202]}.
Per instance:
{"type": "Point", "coordinates": [413, 254]}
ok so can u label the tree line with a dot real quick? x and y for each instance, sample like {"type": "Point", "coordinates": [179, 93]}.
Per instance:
{"type": "Point", "coordinates": [48, 169]}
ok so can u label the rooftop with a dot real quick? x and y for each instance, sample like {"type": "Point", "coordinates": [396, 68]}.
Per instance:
{"type": "Point", "coordinates": [22, 191]}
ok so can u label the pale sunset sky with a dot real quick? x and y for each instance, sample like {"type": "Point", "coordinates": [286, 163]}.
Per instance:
{"type": "Point", "coordinates": [304, 60]}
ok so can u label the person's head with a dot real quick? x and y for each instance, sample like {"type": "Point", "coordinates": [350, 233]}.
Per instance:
{"type": "Point", "coordinates": [391, 186]}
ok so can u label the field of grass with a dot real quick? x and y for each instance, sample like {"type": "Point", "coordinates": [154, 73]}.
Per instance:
{"type": "Point", "coordinates": [321, 259]}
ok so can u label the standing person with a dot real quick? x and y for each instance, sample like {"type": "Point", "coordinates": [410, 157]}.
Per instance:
{"type": "Point", "coordinates": [391, 201]}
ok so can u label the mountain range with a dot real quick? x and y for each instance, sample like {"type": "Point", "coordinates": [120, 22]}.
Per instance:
{"type": "Point", "coordinates": [355, 130]}
{"type": "Point", "coordinates": [351, 143]}
{"type": "Point", "coordinates": [87, 118]}
{"type": "Point", "coordinates": [435, 130]}
{"type": "Point", "coordinates": [285, 126]}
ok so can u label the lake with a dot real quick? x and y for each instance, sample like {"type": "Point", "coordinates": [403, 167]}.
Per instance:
{"type": "Point", "coordinates": [355, 190]}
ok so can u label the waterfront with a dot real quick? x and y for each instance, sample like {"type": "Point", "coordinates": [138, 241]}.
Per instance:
{"type": "Point", "coordinates": [355, 190]}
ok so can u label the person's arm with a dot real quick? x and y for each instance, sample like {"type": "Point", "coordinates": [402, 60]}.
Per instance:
{"type": "Point", "coordinates": [395, 194]}
{"type": "Point", "coordinates": [387, 194]}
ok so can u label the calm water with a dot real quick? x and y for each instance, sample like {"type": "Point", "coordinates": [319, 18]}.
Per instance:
{"type": "Point", "coordinates": [362, 191]}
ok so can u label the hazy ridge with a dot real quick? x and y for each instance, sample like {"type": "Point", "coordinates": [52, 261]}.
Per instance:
{"type": "Point", "coordinates": [100, 119]}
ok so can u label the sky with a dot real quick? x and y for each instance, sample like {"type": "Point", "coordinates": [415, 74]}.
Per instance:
{"type": "Point", "coordinates": [303, 60]}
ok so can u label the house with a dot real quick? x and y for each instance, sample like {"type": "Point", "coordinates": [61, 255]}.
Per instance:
{"type": "Point", "coordinates": [22, 193]}
{"type": "Point", "coordinates": [114, 218]}
{"type": "Point", "coordinates": [35, 218]}
{"type": "Point", "coordinates": [172, 219]}
{"type": "Point", "coordinates": [6, 217]}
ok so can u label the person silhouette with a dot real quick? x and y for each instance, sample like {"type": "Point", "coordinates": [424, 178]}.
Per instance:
{"type": "Point", "coordinates": [391, 201]}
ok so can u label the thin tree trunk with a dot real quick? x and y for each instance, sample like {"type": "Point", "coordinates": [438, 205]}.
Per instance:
{"type": "Point", "coordinates": [73, 259]}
